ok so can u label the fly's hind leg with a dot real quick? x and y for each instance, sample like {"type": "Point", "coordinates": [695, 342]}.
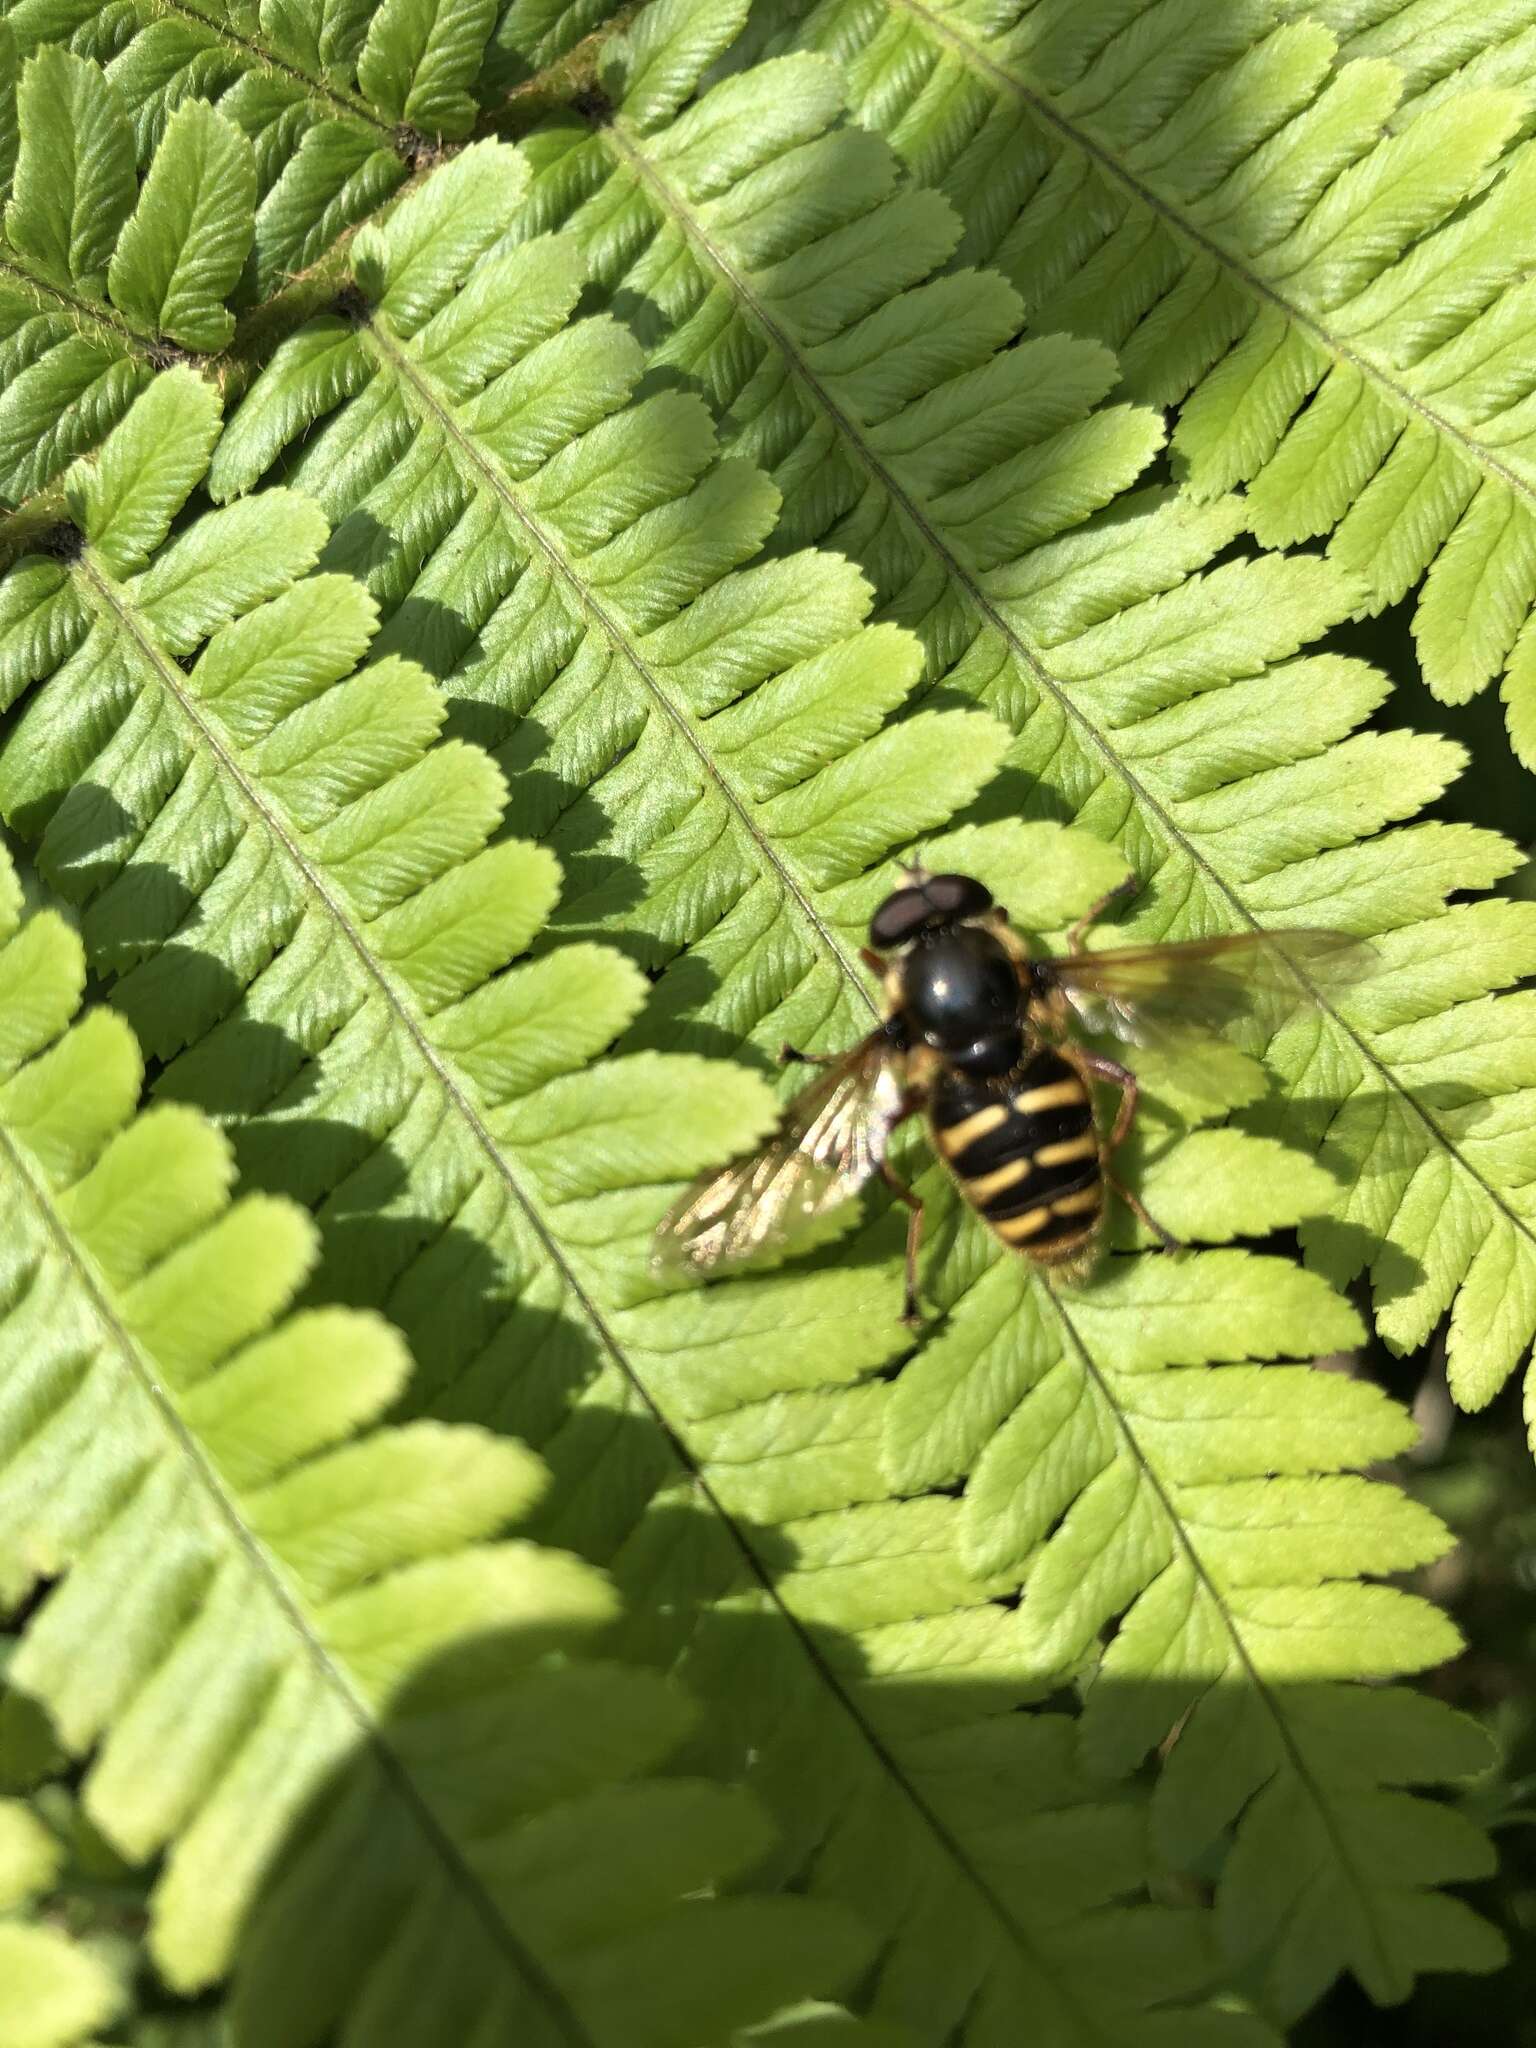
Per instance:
{"type": "Point", "coordinates": [1105, 1069]}
{"type": "Point", "coordinates": [1138, 1207]}
{"type": "Point", "coordinates": [1110, 1070]}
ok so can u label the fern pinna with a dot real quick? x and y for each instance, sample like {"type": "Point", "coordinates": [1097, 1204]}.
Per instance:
{"type": "Point", "coordinates": [162, 171]}
{"type": "Point", "coordinates": [54, 1993]}
{"type": "Point", "coordinates": [101, 278]}
{"type": "Point", "coordinates": [248, 746]}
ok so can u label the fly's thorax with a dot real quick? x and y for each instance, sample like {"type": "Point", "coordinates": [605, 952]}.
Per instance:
{"type": "Point", "coordinates": [958, 992]}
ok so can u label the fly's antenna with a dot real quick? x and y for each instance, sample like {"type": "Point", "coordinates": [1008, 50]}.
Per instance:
{"type": "Point", "coordinates": [915, 873]}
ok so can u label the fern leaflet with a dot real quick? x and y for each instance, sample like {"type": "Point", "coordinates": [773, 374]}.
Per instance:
{"type": "Point", "coordinates": [101, 278]}
{"type": "Point", "coordinates": [53, 1990]}
{"type": "Point", "coordinates": [1438, 49]}
{"type": "Point", "coordinates": [339, 104]}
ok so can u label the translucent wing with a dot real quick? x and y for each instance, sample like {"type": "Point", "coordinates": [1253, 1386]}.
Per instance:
{"type": "Point", "coordinates": [1147, 993]}
{"type": "Point", "coordinates": [832, 1139]}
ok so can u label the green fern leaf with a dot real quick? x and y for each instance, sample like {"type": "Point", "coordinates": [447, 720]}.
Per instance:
{"type": "Point", "coordinates": [1439, 50]}
{"type": "Point", "coordinates": [1102, 1448]}
{"type": "Point", "coordinates": [100, 277]}
{"type": "Point", "coordinates": [1336, 300]}
{"type": "Point", "coordinates": [558, 543]}
{"type": "Point", "coordinates": [339, 104]}
{"type": "Point", "coordinates": [265, 1615]}
{"type": "Point", "coordinates": [53, 1991]}
{"type": "Point", "coordinates": [306, 923]}
{"type": "Point", "coordinates": [324, 158]}
{"type": "Point", "coordinates": [1133, 672]}
{"type": "Point", "coordinates": [737, 1361]}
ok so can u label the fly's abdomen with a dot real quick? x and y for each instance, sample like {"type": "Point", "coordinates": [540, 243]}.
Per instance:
{"type": "Point", "coordinates": [1025, 1154]}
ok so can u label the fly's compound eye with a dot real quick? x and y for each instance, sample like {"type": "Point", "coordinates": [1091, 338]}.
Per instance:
{"type": "Point", "coordinates": [929, 906]}
{"type": "Point", "coordinates": [900, 917]}
{"type": "Point", "coordinates": [957, 896]}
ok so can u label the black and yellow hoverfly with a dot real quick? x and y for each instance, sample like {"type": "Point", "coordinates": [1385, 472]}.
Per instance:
{"type": "Point", "coordinates": [978, 1033]}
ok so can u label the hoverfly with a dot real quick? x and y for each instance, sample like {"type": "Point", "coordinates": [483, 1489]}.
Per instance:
{"type": "Point", "coordinates": [978, 1034]}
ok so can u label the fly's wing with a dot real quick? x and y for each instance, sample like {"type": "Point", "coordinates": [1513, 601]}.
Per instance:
{"type": "Point", "coordinates": [832, 1140]}
{"type": "Point", "coordinates": [1151, 993]}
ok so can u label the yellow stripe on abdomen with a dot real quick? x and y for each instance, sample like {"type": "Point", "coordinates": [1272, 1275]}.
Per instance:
{"type": "Point", "coordinates": [1068, 1149]}
{"type": "Point", "coordinates": [1054, 1095]}
{"type": "Point", "coordinates": [953, 1138]}
{"type": "Point", "coordinates": [1019, 1229]}
{"type": "Point", "coordinates": [990, 1184]}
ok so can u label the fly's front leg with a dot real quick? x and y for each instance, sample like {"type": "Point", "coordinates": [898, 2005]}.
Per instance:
{"type": "Point", "coordinates": [1122, 1078]}
{"type": "Point", "coordinates": [1091, 917]}
{"type": "Point", "coordinates": [792, 1056]}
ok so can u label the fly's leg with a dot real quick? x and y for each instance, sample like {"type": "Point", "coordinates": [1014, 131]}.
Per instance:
{"type": "Point", "coordinates": [1139, 1208]}
{"type": "Point", "coordinates": [792, 1056]}
{"type": "Point", "coordinates": [1106, 1069]}
{"type": "Point", "coordinates": [1091, 916]}
{"type": "Point", "coordinates": [873, 961]}
{"type": "Point", "coordinates": [1130, 1095]}
{"type": "Point", "coordinates": [911, 1309]}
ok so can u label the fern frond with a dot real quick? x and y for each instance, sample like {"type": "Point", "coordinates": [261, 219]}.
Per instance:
{"type": "Point", "coordinates": [293, 891]}
{"type": "Point", "coordinates": [325, 152]}
{"type": "Point", "coordinates": [102, 277]}
{"type": "Point", "coordinates": [275, 1621]}
{"type": "Point", "coordinates": [734, 1363]}
{"type": "Point", "coordinates": [1338, 306]}
{"type": "Point", "coordinates": [1155, 698]}
{"type": "Point", "coordinates": [53, 1991]}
